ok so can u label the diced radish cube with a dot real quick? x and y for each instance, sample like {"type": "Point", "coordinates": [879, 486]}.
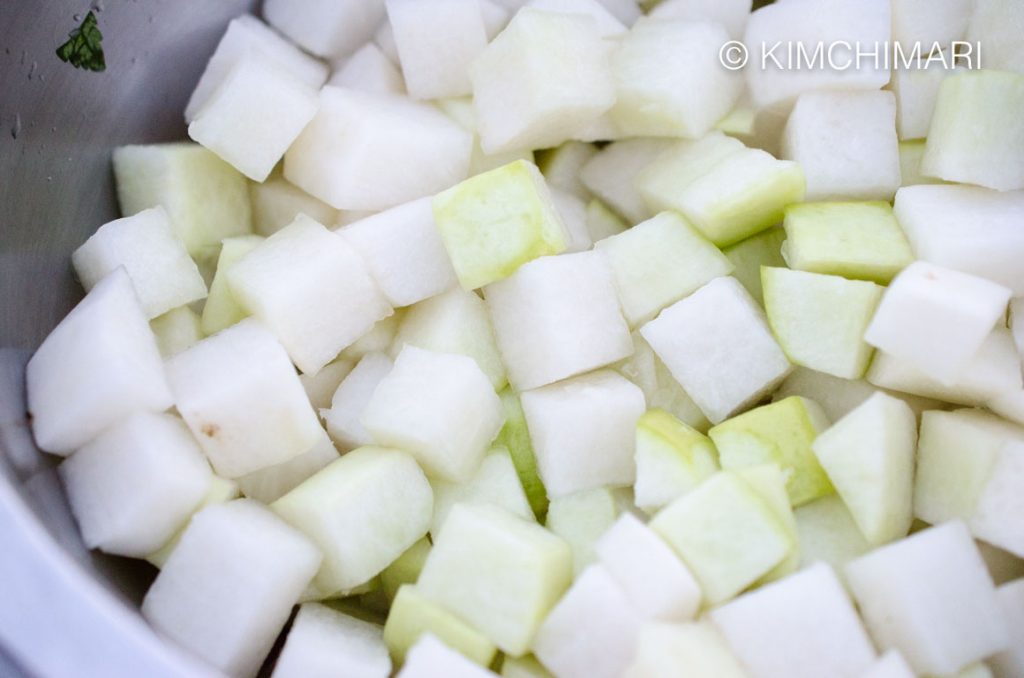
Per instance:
{"type": "Point", "coordinates": [327, 28]}
{"type": "Point", "coordinates": [495, 482]}
{"type": "Point", "coordinates": [611, 173]}
{"type": "Point", "coordinates": [439, 407]}
{"type": "Point", "coordinates": [176, 330]}
{"type": "Point", "coordinates": [276, 203]}
{"type": "Point", "coordinates": [430, 658]}
{"type": "Point", "coordinates": [131, 488]}
{"type": "Point", "coordinates": [321, 387]}
{"type": "Point", "coordinates": [607, 24]}
{"type": "Point", "coordinates": [352, 397]}
{"type": "Point", "coordinates": [731, 14]}
{"type": "Point", "coordinates": [241, 397]}
{"type": "Point", "coordinates": [750, 254]}
{"type": "Point", "coordinates": [1011, 599]}
{"type": "Point", "coordinates": [581, 518]}
{"type": "Point", "coordinates": [323, 642]}
{"type": "Point", "coordinates": [930, 597]}
{"type": "Point", "coordinates": [100, 364]}
{"type": "Point", "coordinates": [220, 491]}
{"type": "Point", "coordinates": [929, 22]}
{"type": "Point", "coordinates": [561, 167]}
{"type": "Point", "coordinates": [363, 511]}
{"type": "Point", "coordinates": [769, 481]}
{"type": "Point", "coordinates": [660, 388]}
{"type": "Point", "coordinates": [405, 569]}
{"type": "Point", "coordinates": [889, 665]}
{"type": "Point", "coordinates": [916, 90]}
{"type": "Point", "coordinates": [368, 70]}
{"type": "Point", "coordinates": [221, 309]}
{"type": "Point", "coordinates": [663, 648]}
{"type": "Point", "coordinates": [228, 588]}
{"type": "Point", "coordinates": [515, 437]}
{"type": "Point", "coordinates": [1000, 502]}
{"type": "Point", "coordinates": [163, 275]}
{"type": "Point", "coordinates": [828, 533]}
{"type": "Point", "coordinates": [671, 460]}
{"type": "Point", "coordinates": [270, 484]}
{"type": "Point", "coordinates": [412, 617]}
{"type": "Point", "coordinates": [996, 24]}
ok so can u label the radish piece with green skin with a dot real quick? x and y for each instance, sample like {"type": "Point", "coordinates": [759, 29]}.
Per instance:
{"type": "Point", "coordinates": [911, 157]}
{"type": "Point", "coordinates": [366, 151]}
{"type": "Point", "coordinates": [323, 641]}
{"type": "Point", "coordinates": [584, 431]}
{"type": "Point", "coordinates": [780, 433]}
{"type": "Point", "coordinates": [429, 658]}
{"type": "Point", "coordinates": [769, 481]}
{"type": "Point", "coordinates": [846, 144]}
{"type": "Point", "coordinates": [228, 588]}
{"type": "Point", "coordinates": [178, 329]}
{"type": "Point", "coordinates": [363, 511]}
{"type": "Point", "coordinates": [717, 345]}
{"type": "Point", "coordinates": [515, 437]}
{"type": "Point", "coordinates": [498, 572]}
{"type": "Point", "coordinates": [656, 67]}
{"type": "Point", "coordinates": [440, 407]}
{"type": "Point", "coordinates": [976, 136]}
{"type": "Point", "coordinates": [749, 255]}
{"type": "Point", "coordinates": [889, 665]}
{"type": "Point", "coordinates": [240, 395]}
{"type": "Point", "coordinates": [254, 115]}
{"type": "Point", "coordinates": [610, 175]}
{"type": "Point", "coordinates": [1011, 599]}
{"type": "Point", "coordinates": [726, 533]}
{"type": "Point", "coordinates": [658, 262]}
{"type": "Point", "coordinates": [557, 317]}
{"type": "Point", "coordinates": [163, 275]}
{"type": "Point", "coordinates": [661, 391]}
{"type": "Point", "coordinates": [405, 569]}
{"type": "Point", "coordinates": [100, 364]}
{"type": "Point", "coordinates": [351, 398]}
{"type": "Point", "coordinates": [539, 102]}
{"type": "Point", "coordinates": [997, 24]}
{"type": "Point", "coordinates": [860, 240]}
{"type": "Point", "coordinates": [413, 616]}
{"type": "Point", "coordinates": [592, 631]}
{"type": "Point", "coordinates": [326, 28]}
{"type": "Point", "coordinates": [276, 203]}
{"type": "Point", "coordinates": [930, 597]}
{"type": "Point", "coordinates": [828, 533]}
{"type": "Point", "coordinates": [270, 484]}
{"type": "Point", "coordinates": [926, 301]}
{"type": "Point", "coordinates": [731, 14]}
{"type": "Point", "coordinates": [662, 648]}
{"type": "Point", "coordinates": [523, 667]}
{"type": "Point", "coordinates": [583, 517]}
{"type": "Point", "coordinates": [136, 484]}
{"type": "Point", "coordinates": [495, 482]}
{"type": "Point", "coordinates": [368, 69]}
{"type": "Point", "coordinates": [803, 626]}
{"type": "Point", "coordinates": [820, 320]}
{"type": "Point", "coordinates": [607, 24]}
{"type": "Point", "coordinates": [869, 457]}
{"type": "Point", "coordinates": [315, 310]}
{"type": "Point", "coordinates": [222, 310]}
{"type": "Point", "coordinates": [220, 491]}
{"type": "Point", "coordinates": [671, 460]}
{"type": "Point", "coordinates": [561, 167]}
{"type": "Point", "coordinates": [205, 197]}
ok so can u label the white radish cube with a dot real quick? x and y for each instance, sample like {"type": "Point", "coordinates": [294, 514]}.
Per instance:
{"type": "Point", "coordinates": [846, 143]}
{"type": "Point", "coordinates": [276, 203]}
{"type": "Point", "coordinates": [773, 79]}
{"type": "Point", "coordinates": [930, 597]}
{"type": "Point", "coordinates": [1010, 662]}
{"type": "Point", "coordinates": [928, 22]}
{"type": "Point", "coordinates": [592, 631]}
{"type": "Point", "coordinates": [996, 23]}
{"type": "Point", "coordinates": [561, 167]}
{"type": "Point", "coordinates": [241, 397]}
{"type": "Point", "coordinates": [352, 397]}
{"type": "Point", "coordinates": [731, 14]}
{"type": "Point", "coordinates": [975, 137]}
{"type": "Point", "coordinates": [270, 484]}
{"type": "Point", "coordinates": [205, 197]}
{"type": "Point", "coordinates": [131, 488]}
{"type": "Point", "coordinates": [1001, 501]}
{"type": "Point", "coordinates": [368, 70]}
{"type": "Point", "coordinates": [411, 617]}
{"type": "Point", "coordinates": [365, 151]}
{"type": "Point", "coordinates": [498, 572]}
{"type": "Point", "coordinates": [176, 330]}
{"type": "Point", "coordinates": [661, 650]}
{"type": "Point", "coordinates": [495, 222]}
{"type": "Point", "coordinates": [436, 44]}
{"type": "Point", "coordinates": [377, 340]}
{"type": "Point", "coordinates": [557, 317]}
{"type": "Point", "coordinates": [403, 251]}
{"type": "Point", "coordinates": [889, 665]}
{"type": "Point", "coordinates": [163, 275]}
{"type": "Point", "coordinates": [820, 320]}
{"type": "Point", "coordinates": [803, 626]}
{"type": "Point", "coordinates": [327, 28]}
{"type": "Point", "coordinates": [969, 229]}
{"type": "Point", "coordinates": [828, 533]}
{"type": "Point", "coordinates": [869, 457]}
{"type": "Point", "coordinates": [430, 658]}
{"type": "Point", "coordinates": [657, 584]}
{"type": "Point", "coordinates": [363, 511]}
{"type": "Point", "coordinates": [100, 364]}
{"type": "Point", "coordinates": [658, 262]}
{"type": "Point", "coordinates": [608, 24]}
{"type": "Point", "coordinates": [926, 301]}
{"type": "Point", "coordinates": [221, 309]}
{"type": "Point", "coordinates": [321, 387]}
{"type": "Point", "coordinates": [583, 431]}
{"type": "Point", "coordinates": [440, 407]}
{"type": "Point", "coordinates": [835, 396]}
{"type": "Point", "coordinates": [727, 534]}
{"type": "Point", "coordinates": [610, 175]}
{"type": "Point", "coordinates": [573, 211]}
{"type": "Point", "coordinates": [228, 588]}
{"type": "Point", "coordinates": [220, 491]}
{"type": "Point", "coordinates": [582, 517]}
{"type": "Point", "coordinates": [541, 101]}
{"type": "Point", "coordinates": [718, 346]}
{"type": "Point", "coordinates": [916, 90]}
{"type": "Point", "coordinates": [672, 459]}
{"type": "Point", "coordinates": [315, 309]}
{"type": "Point", "coordinates": [323, 642]}
{"type": "Point", "coordinates": [495, 482]}
{"type": "Point", "coordinates": [769, 481]}
{"type": "Point", "coordinates": [659, 65]}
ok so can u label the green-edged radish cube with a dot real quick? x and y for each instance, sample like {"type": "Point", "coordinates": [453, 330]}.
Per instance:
{"type": "Point", "coordinates": [820, 320]}
{"type": "Point", "coordinates": [726, 533]}
{"type": "Point", "coordinates": [206, 198]}
{"type": "Point", "coordinates": [911, 157]}
{"type": "Point", "coordinates": [661, 650]}
{"type": "Point", "coordinates": [869, 457]}
{"type": "Point", "coordinates": [749, 255]}
{"type": "Point", "coordinates": [178, 329]}
{"type": "Point", "coordinates": [828, 533]}
{"type": "Point", "coordinates": [405, 569]}
{"type": "Point", "coordinates": [323, 641]}
{"type": "Point", "coordinates": [860, 240]}
{"type": "Point", "coordinates": [582, 517]}
{"type": "Point", "coordinates": [363, 511]}
{"type": "Point", "coordinates": [658, 262]}
{"type": "Point", "coordinates": [413, 616]}
{"type": "Point", "coordinates": [610, 175]}
{"type": "Point", "coordinates": [515, 437]}
{"type": "Point", "coordinates": [495, 482]}
{"type": "Point", "coordinates": [976, 135]}
{"type": "Point", "coordinates": [222, 309]}
{"type": "Point", "coordinates": [495, 222]}
{"type": "Point", "coordinates": [769, 481]}
{"type": "Point", "coordinates": [498, 572]}
{"type": "Point", "coordinates": [780, 433]}
{"type": "Point", "coordinates": [270, 484]}
{"type": "Point", "coordinates": [602, 222]}
{"type": "Point", "coordinates": [671, 460]}
{"type": "Point", "coordinates": [523, 667]}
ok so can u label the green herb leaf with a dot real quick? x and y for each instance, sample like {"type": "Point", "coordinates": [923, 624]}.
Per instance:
{"type": "Point", "coordinates": [84, 48]}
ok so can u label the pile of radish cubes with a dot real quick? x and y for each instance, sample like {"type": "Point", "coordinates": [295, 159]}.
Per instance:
{"type": "Point", "coordinates": [527, 338]}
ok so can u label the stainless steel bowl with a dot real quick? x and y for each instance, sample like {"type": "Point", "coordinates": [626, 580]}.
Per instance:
{"type": "Point", "coordinates": [63, 610]}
